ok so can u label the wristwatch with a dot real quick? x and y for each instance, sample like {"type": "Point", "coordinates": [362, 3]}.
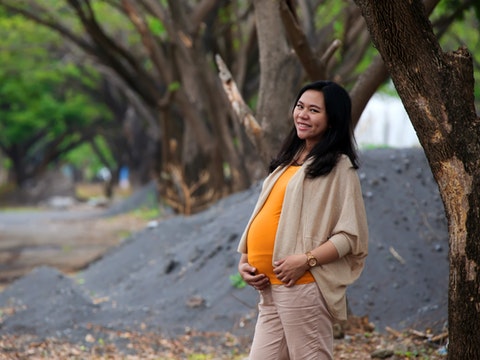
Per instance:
{"type": "Point", "coordinates": [311, 260]}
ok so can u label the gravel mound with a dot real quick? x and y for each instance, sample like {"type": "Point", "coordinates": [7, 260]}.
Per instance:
{"type": "Point", "coordinates": [177, 276]}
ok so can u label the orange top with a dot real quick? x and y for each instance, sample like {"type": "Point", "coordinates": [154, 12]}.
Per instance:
{"type": "Point", "coordinates": [263, 230]}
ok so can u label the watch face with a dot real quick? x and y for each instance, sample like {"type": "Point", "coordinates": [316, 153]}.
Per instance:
{"type": "Point", "coordinates": [312, 262]}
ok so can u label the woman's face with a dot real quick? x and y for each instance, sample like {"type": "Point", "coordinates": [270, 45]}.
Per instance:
{"type": "Point", "coordinates": [310, 117]}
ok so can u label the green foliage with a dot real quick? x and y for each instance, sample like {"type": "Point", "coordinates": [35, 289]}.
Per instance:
{"type": "Point", "coordinates": [83, 157]}
{"type": "Point", "coordinates": [36, 90]}
{"type": "Point", "coordinates": [224, 15]}
{"type": "Point", "coordinates": [331, 12]}
{"type": "Point", "coordinates": [421, 354]}
{"type": "Point", "coordinates": [366, 60]}
{"type": "Point", "coordinates": [147, 213]}
{"type": "Point", "coordinates": [156, 27]}
{"type": "Point", "coordinates": [45, 99]}
{"type": "Point", "coordinates": [237, 281]}
{"type": "Point", "coordinates": [174, 86]}
{"type": "Point", "coordinates": [253, 101]}
{"type": "Point", "coordinates": [199, 357]}
{"type": "Point", "coordinates": [463, 31]}
{"type": "Point", "coordinates": [451, 6]}
{"type": "Point", "coordinates": [374, 147]}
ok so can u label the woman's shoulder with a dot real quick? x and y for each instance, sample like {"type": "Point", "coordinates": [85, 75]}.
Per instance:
{"type": "Point", "coordinates": [344, 162]}
{"type": "Point", "coordinates": [344, 170]}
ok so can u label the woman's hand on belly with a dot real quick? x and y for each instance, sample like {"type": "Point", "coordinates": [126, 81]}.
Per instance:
{"type": "Point", "coordinates": [250, 276]}
{"type": "Point", "coordinates": [290, 269]}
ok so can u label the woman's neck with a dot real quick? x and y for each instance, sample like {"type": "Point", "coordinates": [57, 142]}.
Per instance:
{"type": "Point", "coordinates": [301, 156]}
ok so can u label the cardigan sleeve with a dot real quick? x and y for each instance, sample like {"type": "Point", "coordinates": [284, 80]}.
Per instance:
{"type": "Point", "coordinates": [350, 232]}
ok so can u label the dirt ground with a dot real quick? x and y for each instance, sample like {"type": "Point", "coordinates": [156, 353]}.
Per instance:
{"type": "Point", "coordinates": [68, 240]}
{"type": "Point", "coordinates": [176, 279]}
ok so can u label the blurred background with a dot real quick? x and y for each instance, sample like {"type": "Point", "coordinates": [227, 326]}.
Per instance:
{"type": "Point", "coordinates": [100, 98]}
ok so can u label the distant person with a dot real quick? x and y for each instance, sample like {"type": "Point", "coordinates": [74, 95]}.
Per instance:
{"type": "Point", "coordinates": [307, 238]}
{"type": "Point", "coordinates": [123, 176]}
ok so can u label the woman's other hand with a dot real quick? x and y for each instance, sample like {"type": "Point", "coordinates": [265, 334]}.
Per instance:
{"type": "Point", "coordinates": [290, 269]}
{"type": "Point", "coordinates": [250, 276]}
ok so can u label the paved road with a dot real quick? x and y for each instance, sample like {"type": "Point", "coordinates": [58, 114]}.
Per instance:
{"type": "Point", "coordinates": [67, 239]}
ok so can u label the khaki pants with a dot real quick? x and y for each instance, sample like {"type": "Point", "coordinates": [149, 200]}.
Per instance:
{"type": "Point", "coordinates": [293, 323]}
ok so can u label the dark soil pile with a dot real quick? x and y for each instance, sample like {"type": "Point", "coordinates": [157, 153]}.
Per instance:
{"type": "Point", "coordinates": [176, 277]}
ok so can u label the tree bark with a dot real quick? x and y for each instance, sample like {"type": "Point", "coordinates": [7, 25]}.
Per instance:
{"type": "Point", "coordinates": [280, 76]}
{"type": "Point", "coordinates": [314, 67]}
{"type": "Point", "coordinates": [437, 91]}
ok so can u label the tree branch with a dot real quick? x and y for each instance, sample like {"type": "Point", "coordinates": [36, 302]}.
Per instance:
{"type": "Point", "coordinates": [114, 54]}
{"type": "Point", "coordinates": [366, 85]}
{"type": "Point", "coordinates": [155, 53]}
{"type": "Point", "coordinates": [375, 75]}
{"type": "Point", "coordinates": [54, 24]}
{"type": "Point", "coordinates": [199, 14]}
{"type": "Point", "coordinates": [241, 109]}
{"type": "Point", "coordinates": [315, 69]}
{"type": "Point", "coordinates": [327, 55]}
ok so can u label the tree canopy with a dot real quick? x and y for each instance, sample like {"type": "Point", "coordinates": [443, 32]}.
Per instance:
{"type": "Point", "coordinates": [46, 107]}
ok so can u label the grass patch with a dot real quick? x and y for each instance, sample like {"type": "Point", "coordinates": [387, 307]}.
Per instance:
{"type": "Point", "coordinates": [374, 146]}
{"type": "Point", "coordinates": [146, 213]}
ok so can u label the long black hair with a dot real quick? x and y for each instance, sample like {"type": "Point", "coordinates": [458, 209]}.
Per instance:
{"type": "Point", "coordinates": [337, 140]}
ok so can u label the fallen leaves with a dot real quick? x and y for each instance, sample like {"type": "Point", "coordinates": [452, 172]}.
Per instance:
{"type": "Point", "coordinates": [102, 344]}
{"type": "Point", "coordinates": [112, 345]}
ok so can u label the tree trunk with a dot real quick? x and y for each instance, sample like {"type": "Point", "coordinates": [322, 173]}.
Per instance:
{"type": "Point", "coordinates": [437, 91]}
{"type": "Point", "coordinates": [280, 76]}
{"type": "Point", "coordinates": [17, 158]}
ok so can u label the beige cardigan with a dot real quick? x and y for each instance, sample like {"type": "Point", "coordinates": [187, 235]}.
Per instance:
{"type": "Point", "coordinates": [316, 210]}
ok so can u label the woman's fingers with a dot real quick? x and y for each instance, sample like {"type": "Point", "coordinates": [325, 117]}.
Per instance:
{"type": "Point", "coordinates": [259, 281]}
